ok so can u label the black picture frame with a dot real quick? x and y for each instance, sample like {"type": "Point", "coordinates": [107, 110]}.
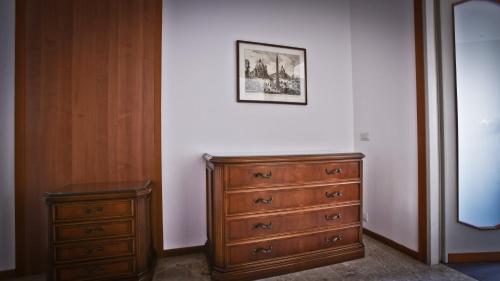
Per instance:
{"type": "Point", "coordinates": [285, 86]}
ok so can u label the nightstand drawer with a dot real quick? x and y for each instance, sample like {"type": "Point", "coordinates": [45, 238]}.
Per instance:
{"type": "Point", "coordinates": [71, 232]}
{"type": "Point", "coordinates": [92, 210]}
{"type": "Point", "coordinates": [93, 250]}
{"type": "Point", "coordinates": [112, 269]}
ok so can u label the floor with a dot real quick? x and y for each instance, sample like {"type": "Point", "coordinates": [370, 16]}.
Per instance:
{"type": "Point", "coordinates": [484, 271]}
{"type": "Point", "coordinates": [381, 263]}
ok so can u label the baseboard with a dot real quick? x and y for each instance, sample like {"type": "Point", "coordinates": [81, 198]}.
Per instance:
{"type": "Point", "coordinates": [391, 243]}
{"type": "Point", "coordinates": [183, 251]}
{"type": "Point", "coordinates": [474, 257]}
{"type": "Point", "coordinates": [4, 274]}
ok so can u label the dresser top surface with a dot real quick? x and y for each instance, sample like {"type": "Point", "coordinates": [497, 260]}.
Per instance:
{"type": "Point", "coordinates": [101, 188]}
{"type": "Point", "coordinates": [245, 157]}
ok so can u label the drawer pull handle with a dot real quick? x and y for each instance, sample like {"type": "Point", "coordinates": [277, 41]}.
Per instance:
{"type": "Point", "coordinates": [261, 250]}
{"type": "Point", "coordinates": [92, 251]}
{"type": "Point", "coordinates": [264, 201]}
{"type": "Point", "coordinates": [91, 211]}
{"type": "Point", "coordinates": [262, 175]}
{"type": "Point", "coordinates": [334, 194]}
{"type": "Point", "coordinates": [334, 239]}
{"type": "Point", "coordinates": [263, 225]}
{"type": "Point", "coordinates": [93, 270]}
{"type": "Point", "coordinates": [93, 229]}
{"type": "Point", "coordinates": [333, 171]}
{"type": "Point", "coordinates": [333, 217]}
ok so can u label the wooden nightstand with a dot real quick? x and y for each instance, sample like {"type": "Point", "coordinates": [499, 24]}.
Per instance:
{"type": "Point", "coordinates": [100, 232]}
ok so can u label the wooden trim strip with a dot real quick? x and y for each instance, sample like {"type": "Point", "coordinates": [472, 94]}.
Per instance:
{"type": "Point", "coordinates": [294, 210]}
{"type": "Point", "coordinates": [183, 251]}
{"type": "Point", "coordinates": [348, 157]}
{"type": "Point", "coordinates": [20, 134]}
{"type": "Point", "coordinates": [157, 201]}
{"type": "Point", "coordinates": [474, 257]}
{"type": "Point", "coordinates": [421, 130]}
{"type": "Point", "coordinates": [391, 243]}
{"type": "Point", "coordinates": [298, 186]}
{"type": "Point", "coordinates": [292, 234]}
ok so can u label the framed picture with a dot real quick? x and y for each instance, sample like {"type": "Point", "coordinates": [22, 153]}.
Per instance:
{"type": "Point", "coordinates": [271, 73]}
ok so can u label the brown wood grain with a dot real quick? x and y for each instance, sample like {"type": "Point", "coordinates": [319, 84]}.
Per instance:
{"type": "Point", "coordinates": [274, 248]}
{"type": "Point", "coordinates": [91, 245]}
{"type": "Point", "coordinates": [100, 270]}
{"type": "Point", "coordinates": [97, 210]}
{"type": "Point", "coordinates": [86, 231]}
{"type": "Point", "coordinates": [87, 105]}
{"type": "Point", "coordinates": [474, 257]}
{"type": "Point", "coordinates": [251, 175]}
{"type": "Point", "coordinates": [281, 158]}
{"type": "Point", "coordinates": [421, 129]}
{"type": "Point", "coordinates": [292, 197]}
{"type": "Point", "coordinates": [289, 222]}
{"type": "Point", "coordinates": [300, 217]}
{"type": "Point", "coordinates": [75, 252]}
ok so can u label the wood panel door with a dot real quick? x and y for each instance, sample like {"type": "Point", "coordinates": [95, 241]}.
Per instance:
{"type": "Point", "coordinates": [87, 105]}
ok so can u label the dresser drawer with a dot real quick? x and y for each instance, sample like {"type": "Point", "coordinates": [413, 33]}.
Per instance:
{"type": "Point", "coordinates": [70, 232]}
{"type": "Point", "coordinates": [276, 199]}
{"type": "Point", "coordinates": [94, 210]}
{"type": "Point", "coordinates": [240, 176]}
{"type": "Point", "coordinates": [98, 270]}
{"type": "Point", "coordinates": [262, 226]}
{"type": "Point", "coordinates": [79, 251]}
{"type": "Point", "coordinates": [289, 246]}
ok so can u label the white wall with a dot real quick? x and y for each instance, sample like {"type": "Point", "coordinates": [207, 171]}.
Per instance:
{"type": "Point", "coordinates": [458, 237]}
{"type": "Point", "coordinates": [200, 112]}
{"type": "Point", "coordinates": [7, 33]}
{"type": "Point", "coordinates": [383, 55]}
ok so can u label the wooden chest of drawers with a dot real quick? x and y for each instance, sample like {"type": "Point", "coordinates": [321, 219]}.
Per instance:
{"type": "Point", "coordinates": [100, 232]}
{"type": "Point", "coordinates": [269, 215]}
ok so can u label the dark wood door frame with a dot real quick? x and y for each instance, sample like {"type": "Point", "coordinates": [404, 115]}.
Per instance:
{"type": "Point", "coordinates": [157, 204]}
{"type": "Point", "coordinates": [421, 129]}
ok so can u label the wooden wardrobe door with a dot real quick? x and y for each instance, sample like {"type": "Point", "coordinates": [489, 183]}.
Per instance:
{"type": "Point", "coordinates": [87, 105]}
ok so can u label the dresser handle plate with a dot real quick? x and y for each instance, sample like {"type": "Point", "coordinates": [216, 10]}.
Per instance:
{"type": "Point", "coordinates": [267, 175]}
{"type": "Point", "coordinates": [334, 194]}
{"type": "Point", "coordinates": [92, 251]}
{"type": "Point", "coordinates": [91, 211]}
{"type": "Point", "coordinates": [261, 250]}
{"type": "Point", "coordinates": [93, 229]}
{"type": "Point", "coordinates": [333, 171]}
{"type": "Point", "coordinates": [264, 201]}
{"type": "Point", "coordinates": [263, 225]}
{"type": "Point", "coordinates": [93, 270]}
{"type": "Point", "coordinates": [334, 239]}
{"type": "Point", "coordinates": [333, 217]}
